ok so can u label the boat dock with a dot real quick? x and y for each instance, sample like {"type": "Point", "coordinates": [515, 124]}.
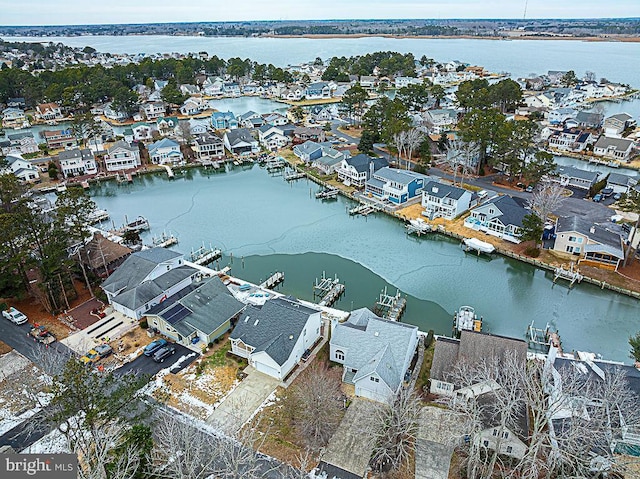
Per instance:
{"type": "Point", "coordinates": [275, 164]}
{"type": "Point", "coordinates": [328, 290]}
{"type": "Point", "coordinates": [85, 184]}
{"type": "Point", "coordinates": [364, 209]}
{"type": "Point", "coordinates": [541, 340]}
{"type": "Point", "coordinates": [294, 175]}
{"type": "Point", "coordinates": [138, 225]}
{"type": "Point", "coordinates": [390, 307]}
{"type": "Point", "coordinates": [97, 216]}
{"type": "Point", "coordinates": [419, 227]}
{"type": "Point", "coordinates": [164, 240]}
{"type": "Point", "coordinates": [170, 173]}
{"type": "Point", "coordinates": [477, 246]}
{"type": "Point", "coordinates": [203, 255]}
{"type": "Point", "coordinates": [328, 194]}
{"type": "Point", "coordinates": [466, 319]}
{"type": "Point", "coordinates": [571, 275]}
{"type": "Point", "coordinates": [272, 281]}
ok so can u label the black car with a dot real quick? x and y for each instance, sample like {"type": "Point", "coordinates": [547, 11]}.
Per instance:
{"type": "Point", "coordinates": [164, 352]}
{"type": "Point", "coordinates": [306, 354]}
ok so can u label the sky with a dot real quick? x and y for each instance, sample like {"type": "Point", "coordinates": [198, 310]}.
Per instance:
{"type": "Point", "coordinates": [68, 12]}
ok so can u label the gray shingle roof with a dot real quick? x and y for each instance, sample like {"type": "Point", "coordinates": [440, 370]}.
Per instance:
{"type": "Point", "coordinates": [399, 176]}
{"type": "Point", "coordinates": [620, 179]}
{"type": "Point", "coordinates": [441, 190]}
{"type": "Point", "coordinates": [593, 231]}
{"type": "Point", "coordinates": [122, 144]}
{"type": "Point", "coordinates": [372, 344]}
{"type": "Point", "coordinates": [361, 162]}
{"type": "Point", "coordinates": [572, 172]}
{"type": "Point", "coordinates": [512, 209]}
{"type": "Point", "coordinates": [273, 328]}
{"type": "Point", "coordinates": [620, 144]}
{"type": "Point", "coordinates": [239, 135]}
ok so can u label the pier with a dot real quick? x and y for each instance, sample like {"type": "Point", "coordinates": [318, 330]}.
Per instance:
{"type": "Point", "coordinates": [272, 281]}
{"type": "Point", "coordinates": [328, 290]}
{"type": "Point", "coordinates": [276, 164]}
{"type": "Point", "coordinates": [571, 275]}
{"type": "Point", "coordinates": [294, 175]}
{"type": "Point", "coordinates": [203, 256]}
{"type": "Point", "coordinates": [138, 225]}
{"type": "Point", "coordinates": [170, 173]}
{"type": "Point", "coordinates": [328, 194]}
{"type": "Point", "coordinates": [164, 240]}
{"type": "Point", "coordinates": [541, 340]}
{"type": "Point", "coordinates": [364, 209]}
{"type": "Point", "coordinates": [97, 216]}
{"type": "Point", "coordinates": [390, 307]}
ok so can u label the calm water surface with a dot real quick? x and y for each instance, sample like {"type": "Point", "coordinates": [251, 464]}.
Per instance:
{"type": "Point", "coordinates": [270, 225]}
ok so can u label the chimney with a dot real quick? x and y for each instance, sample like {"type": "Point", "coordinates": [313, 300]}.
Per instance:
{"type": "Point", "coordinates": [592, 230]}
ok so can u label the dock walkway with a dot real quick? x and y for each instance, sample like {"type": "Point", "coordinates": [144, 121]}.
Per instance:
{"type": "Point", "coordinates": [274, 280]}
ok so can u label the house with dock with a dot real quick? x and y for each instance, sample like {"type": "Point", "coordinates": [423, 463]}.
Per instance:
{"type": "Point", "coordinates": [122, 156]}
{"type": "Point", "coordinates": [48, 112]}
{"type": "Point", "coordinates": [165, 152]}
{"type": "Point", "coordinates": [571, 139]}
{"type": "Point", "coordinates": [474, 348]}
{"type": "Point", "coordinates": [208, 146]}
{"type": "Point", "coordinates": [275, 137]}
{"type": "Point", "coordinates": [21, 168]}
{"type": "Point", "coordinates": [273, 337]}
{"type": "Point", "coordinates": [576, 177]}
{"type": "Point", "coordinates": [444, 201]}
{"type": "Point", "coordinates": [317, 91]}
{"type": "Point", "coordinates": [397, 186]}
{"type": "Point", "coordinates": [57, 139]}
{"type": "Point", "coordinates": [200, 313]}
{"type": "Point", "coordinates": [20, 143]}
{"type": "Point", "coordinates": [356, 170]}
{"type": "Point", "coordinates": [147, 278]}
{"type": "Point", "coordinates": [593, 244]}
{"type": "Point", "coordinates": [375, 353]}
{"type": "Point", "coordinates": [614, 148]}
{"type": "Point", "coordinates": [77, 162]}
{"type": "Point", "coordinates": [14, 118]}
{"type": "Point", "coordinates": [240, 141]}
{"type": "Point", "coordinates": [501, 216]}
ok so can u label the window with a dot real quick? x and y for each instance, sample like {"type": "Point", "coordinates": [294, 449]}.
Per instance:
{"type": "Point", "coordinates": [374, 379]}
{"type": "Point", "coordinates": [495, 432]}
{"type": "Point", "coordinates": [505, 434]}
{"type": "Point", "coordinates": [485, 443]}
{"type": "Point", "coordinates": [509, 449]}
{"type": "Point", "coordinates": [339, 355]}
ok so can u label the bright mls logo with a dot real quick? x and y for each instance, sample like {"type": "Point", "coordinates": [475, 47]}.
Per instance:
{"type": "Point", "coordinates": [59, 466]}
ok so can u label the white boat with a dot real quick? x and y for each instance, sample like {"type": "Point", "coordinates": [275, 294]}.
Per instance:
{"type": "Point", "coordinates": [466, 319]}
{"type": "Point", "coordinates": [420, 225]}
{"type": "Point", "coordinates": [478, 245]}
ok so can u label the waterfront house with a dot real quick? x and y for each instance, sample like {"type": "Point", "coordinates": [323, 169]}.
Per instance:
{"type": "Point", "coordinates": [474, 348]}
{"type": "Point", "coordinates": [571, 139]}
{"type": "Point", "coordinates": [614, 125]}
{"type": "Point", "coordinates": [592, 243]}
{"type": "Point", "coordinates": [250, 120]}
{"type": "Point", "coordinates": [586, 119]}
{"type": "Point", "coordinates": [22, 143]}
{"type": "Point", "coordinates": [321, 114]}
{"type": "Point", "coordinates": [308, 151]}
{"type": "Point", "coordinates": [57, 139]}
{"type": "Point", "coordinates": [16, 102]}
{"type": "Point", "coordinates": [576, 177]}
{"type": "Point", "coordinates": [102, 256]}
{"type": "Point", "coordinates": [440, 120]}
{"type": "Point", "coordinates": [620, 183]}
{"type": "Point", "coordinates": [501, 216]}
{"type": "Point", "coordinates": [142, 132]}
{"type": "Point", "coordinates": [275, 119]}
{"type": "Point", "coordinates": [240, 141]}
{"type": "Point", "coordinates": [444, 201]}
{"type": "Point", "coordinates": [615, 148]}
{"type": "Point", "coordinates": [368, 82]}
{"type": "Point", "coordinates": [122, 156]}
{"type": "Point", "coordinates": [77, 162]}
{"type": "Point", "coordinates": [394, 185]}
{"type": "Point", "coordinates": [294, 93]}
{"type": "Point", "coordinates": [317, 91]}
{"type": "Point", "coordinates": [14, 118]}
{"type": "Point", "coordinates": [190, 90]}
{"type": "Point", "coordinates": [275, 336]}
{"type": "Point", "coordinates": [375, 353]}
{"type": "Point", "coordinates": [273, 137]}
{"type": "Point", "coordinates": [48, 112]}
{"type": "Point", "coordinates": [112, 114]}
{"type": "Point", "coordinates": [165, 151]}
{"type": "Point", "coordinates": [213, 86]}
{"type": "Point", "coordinates": [208, 146]}
{"type": "Point", "coordinates": [145, 279]}
{"type": "Point", "coordinates": [356, 170]}
{"type": "Point", "coordinates": [153, 110]}
{"type": "Point", "coordinates": [198, 128]}
{"type": "Point", "coordinates": [401, 82]}
{"type": "Point", "coordinates": [167, 125]}
{"type": "Point", "coordinates": [20, 168]}
{"type": "Point", "coordinates": [560, 115]}
{"type": "Point", "coordinates": [330, 160]}
{"type": "Point", "coordinates": [199, 314]}
{"type": "Point", "coordinates": [223, 120]}
{"type": "Point", "coordinates": [231, 89]}
{"type": "Point", "coordinates": [305, 133]}
{"type": "Point", "coordinates": [191, 106]}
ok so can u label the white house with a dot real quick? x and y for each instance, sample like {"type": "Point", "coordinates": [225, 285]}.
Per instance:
{"type": "Point", "coordinates": [113, 114]}
{"type": "Point", "coordinates": [570, 139]}
{"type": "Point", "coordinates": [614, 125]}
{"type": "Point", "coordinates": [147, 278]}
{"type": "Point", "coordinates": [570, 176]}
{"type": "Point", "coordinates": [375, 353]}
{"type": "Point", "coordinates": [560, 115]}
{"type": "Point", "coordinates": [620, 183]}
{"type": "Point", "coordinates": [615, 148]}
{"type": "Point", "coordinates": [48, 111]}
{"type": "Point", "coordinates": [440, 120]}
{"type": "Point", "coordinates": [356, 170]}
{"type": "Point", "coordinates": [165, 151]}
{"type": "Point", "coordinates": [77, 162]}
{"type": "Point", "coordinates": [142, 132]}
{"type": "Point", "coordinates": [14, 118]}
{"type": "Point", "coordinates": [501, 216]}
{"type": "Point", "coordinates": [21, 168]}
{"type": "Point", "coordinates": [191, 106]}
{"type": "Point", "coordinates": [21, 143]}
{"type": "Point", "coordinates": [316, 91]}
{"type": "Point", "coordinates": [122, 156]}
{"type": "Point", "coordinates": [275, 119]}
{"type": "Point", "coordinates": [275, 336]}
{"type": "Point", "coordinates": [153, 110]}
{"type": "Point", "coordinates": [273, 137]}
{"type": "Point", "coordinates": [444, 201]}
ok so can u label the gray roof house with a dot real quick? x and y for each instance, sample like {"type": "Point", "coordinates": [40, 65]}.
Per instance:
{"type": "Point", "coordinates": [570, 176]}
{"type": "Point", "coordinates": [147, 278]}
{"type": "Point", "coordinates": [614, 148]}
{"type": "Point", "coordinates": [273, 337]}
{"type": "Point", "coordinates": [501, 216]}
{"type": "Point", "coordinates": [594, 244]}
{"type": "Point", "coordinates": [356, 170]}
{"type": "Point", "coordinates": [473, 348]}
{"type": "Point", "coordinates": [202, 312]}
{"type": "Point", "coordinates": [375, 353]}
{"type": "Point", "coordinates": [441, 200]}
{"type": "Point", "coordinates": [240, 141]}
{"type": "Point", "coordinates": [620, 183]}
{"type": "Point", "coordinates": [589, 120]}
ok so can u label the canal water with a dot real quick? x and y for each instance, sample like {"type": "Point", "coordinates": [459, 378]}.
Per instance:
{"type": "Point", "coordinates": [264, 224]}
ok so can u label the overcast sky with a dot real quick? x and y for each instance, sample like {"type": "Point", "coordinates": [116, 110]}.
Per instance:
{"type": "Point", "coordinates": [65, 12]}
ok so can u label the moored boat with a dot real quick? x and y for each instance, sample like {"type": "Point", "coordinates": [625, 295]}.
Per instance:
{"type": "Point", "coordinates": [466, 319]}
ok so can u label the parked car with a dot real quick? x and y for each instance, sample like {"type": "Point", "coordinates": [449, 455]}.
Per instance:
{"type": "Point", "coordinates": [306, 354]}
{"type": "Point", "coordinates": [617, 196]}
{"type": "Point", "coordinates": [597, 198]}
{"type": "Point", "coordinates": [103, 350]}
{"type": "Point", "coordinates": [529, 189]}
{"type": "Point", "coordinates": [152, 347]}
{"type": "Point", "coordinates": [42, 335]}
{"type": "Point", "coordinates": [15, 316]}
{"type": "Point", "coordinates": [606, 192]}
{"type": "Point", "coordinates": [91, 356]}
{"type": "Point", "coordinates": [161, 354]}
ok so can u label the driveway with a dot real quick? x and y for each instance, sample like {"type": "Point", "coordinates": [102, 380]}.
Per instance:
{"type": "Point", "coordinates": [146, 365]}
{"type": "Point", "coordinates": [241, 404]}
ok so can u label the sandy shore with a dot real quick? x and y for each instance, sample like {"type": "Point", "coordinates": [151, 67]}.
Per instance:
{"type": "Point", "coordinates": [608, 38]}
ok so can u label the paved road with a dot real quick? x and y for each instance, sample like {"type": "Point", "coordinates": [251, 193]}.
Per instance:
{"type": "Point", "coordinates": [146, 365]}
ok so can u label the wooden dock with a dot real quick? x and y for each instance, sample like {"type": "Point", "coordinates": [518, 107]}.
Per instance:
{"type": "Point", "coordinates": [328, 290]}
{"type": "Point", "coordinates": [272, 281]}
{"type": "Point", "coordinates": [170, 173]}
{"type": "Point", "coordinates": [277, 164]}
{"type": "Point", "coordinates": [203, 255]}
{"type": "Point", "coordinates": [571, 275]}
{"type": "Point", "coordinates": [138, 225]}
{"type": "Point", "coordinates": [97, 216]}
{"type": "Point", "coordinates": [164, 240]}
{"type": "Point", "coordinates": [294, 175]}
{"type": "Point", "coordinates": [328, 194]}
{"type": "Point", "coordinates": [390, 307]}
{"type": "Point", "coordinates": [363, 209]}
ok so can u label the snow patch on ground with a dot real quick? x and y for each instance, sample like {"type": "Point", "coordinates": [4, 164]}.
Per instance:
{"type": "Point", "coordinates": [178, 364]}
{"type": "Point", "coordinates": [52, 443]}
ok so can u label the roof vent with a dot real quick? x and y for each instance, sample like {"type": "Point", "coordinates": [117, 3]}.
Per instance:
{"type": "Point", "coordinates": [592, 230]}
{"type": "Point", "coordinates": [376, 334]}
{"type": "Point", "coordinates": [434, 189]}
{"type": "Point", "coordinates": [246, 319]}
{"type": "Point", "coordinates": [291, 336]}
{"type": "Point", "coordinates": [257, 321]}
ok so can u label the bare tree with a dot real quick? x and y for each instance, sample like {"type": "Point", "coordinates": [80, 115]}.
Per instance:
{"type": "Point", "coordinates": [546, 199]}
{"type": "Point", "coordinates": [412, 142]}
{"type": "Point", "coordinates": [589, 76]}
{"type": "Point", "coordinates": [316, 403]}
{"type": "Point", "coordinates": [396, 431]}
{"type": "Point", "coordinates": [399, 141]}
{"type": "Point", "coordinates": [460, 157]}
{"type": "Point", "coordinates": [184, 132]}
